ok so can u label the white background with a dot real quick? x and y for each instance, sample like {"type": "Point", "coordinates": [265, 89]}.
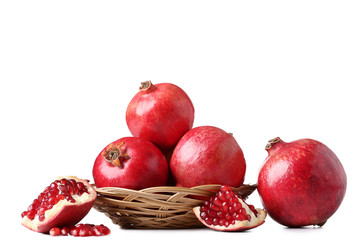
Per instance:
{"type": "Point", "coordinates": [258, 69]}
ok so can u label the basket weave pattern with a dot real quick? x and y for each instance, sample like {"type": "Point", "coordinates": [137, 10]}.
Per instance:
{"type": "Point", "coordinates": [164, 207]}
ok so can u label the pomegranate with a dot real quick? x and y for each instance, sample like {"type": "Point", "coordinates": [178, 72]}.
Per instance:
{"type": "Point", "coordinates": [130, 162]}
{"type": "Point", "coordinates": [161, 113]}
{"type": "Point", "coordinates": [207, 155]}
{"type": "Point", "coordinates": [64, 202]}
{"type": "Point", "coordinates": [301, 183]}
{"type": "Point", "coordinates": [81, 230]}
{"type": "Point", "coordinates": [228, 212]}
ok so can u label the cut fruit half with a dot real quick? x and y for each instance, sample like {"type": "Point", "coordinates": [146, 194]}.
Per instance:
{"type": "Point", "coordinates": [227, 212]}
{"type": "Point", "coordinates": [64, 202]}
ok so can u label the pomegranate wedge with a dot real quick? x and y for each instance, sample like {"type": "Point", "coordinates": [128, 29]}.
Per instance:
{"type": "Point", "coordinates": [228, 212]}
{"type": "Point", "coordinates": [64, 202]}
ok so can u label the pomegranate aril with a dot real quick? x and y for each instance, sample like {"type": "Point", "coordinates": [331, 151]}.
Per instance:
{"type": "Point", "coordinates": [41, 217]}
{"type": "Point", "coordinates": [208, 220]}
{"type": "Point", "coordinates": [212, 213]}
{"type": "Point", "coordinates": [40, 197]}
{"type": "Point", "coordinates": [65, 231]}
{"type": "Point", "coordinates": [105, 230]}
{"type": "Point", "coordinates": [222, 222]}
{"type": "Point", "coordinates": [228, 195]}
{"type": "Point", "coordinates": [236, 206]}
{"type": "Point", "coordinates": [225, 206]}
{"type": "Point", "coordinates": [231, 210]}
{"type": "Point", "coordinates": [72, 182]}
{"type": "Point", "coordinates": [225, 188]}
{"type": "Point", "coordinates": [96, 230]}
{"type": "Point", "coordinates": [221, 196]}
{"type": "Point", "coordinates": [220, 214]}
{"type": "Point", "coordinates": [212, 206]}
{"type": "Point", "coordinates": [53, 200]}
{"type": "Point", "coordinates": [74, 231]}
{"type": "Point", "coordinates": [252, 208]}
{"type": "Point", "coordinates": [63, 188]}
{"type": "Point", "coordinates": [31, 214]}
{"type": "Point", "coordinates": [204, 208]}
{"type": "Point", "coordinates": [55, 231]}
{"type": "Point", "coordinates": [80, 185]}
{"type": "Point", "coordinates": [41, 211]}
{"type": "Point", "coordinates": [84, 232]}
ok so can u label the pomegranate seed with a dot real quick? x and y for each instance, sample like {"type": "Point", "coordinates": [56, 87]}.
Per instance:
{"type": "Point", "coordinates": [74, 232]}
{"type": "Point", "coordinates": [55, 231]}
{"type": "Point", "coordinates": [208, 220]}
{"type": "Point", "coordinates": [96, 231]}
{"type": "Point", "coordinates": [41, 218]}
{"type": "Point", "coordinates": [31, 214]}
{"type": "Point", "coordinates": [211, 213]}
{"type": "Point", "coordinates": [105, 230]}
{"type": "Point", "coordinates": [65, 231]}
{"type": "Point", "coordinates": [253, 210]}
{"type": "Point", "coordinates": [217, 201]}
{"type": "Point", "coordinates": [221, 196]}
{"type": "Point", "coordinates": [225, 206]}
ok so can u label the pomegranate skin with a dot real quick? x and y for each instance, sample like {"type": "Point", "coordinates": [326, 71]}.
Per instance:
{"type": "Point", "coordinates": [208, 155]}
{"type": "Point", "coordinates": [301, 183]}
{"type": "Point", "coordinates": [132, 163]}
{"type": "Point", "coordinates": [161, 113]}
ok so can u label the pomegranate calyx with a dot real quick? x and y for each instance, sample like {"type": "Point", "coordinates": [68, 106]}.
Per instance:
{"type": "Point", "coordinates": [116, 155]}
{"type": "Point", "coordinates": [273, 144]}
{"type": "Point", "coordinates": [145, 85]}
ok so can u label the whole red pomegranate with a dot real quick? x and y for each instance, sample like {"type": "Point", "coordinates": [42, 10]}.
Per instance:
{"type": "Point", "coordinates": [130, 162]}
{"type": "Point", "coordinates": [208, 155]}
{"type": "Point", "coordinates": [301, 183]}
{"type": "Point", "coordinates": [161, 113]}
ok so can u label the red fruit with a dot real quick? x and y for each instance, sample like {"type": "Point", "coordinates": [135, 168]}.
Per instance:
{"type": "Point", "coordinates": [55, 231]}
{"type": "Point", "coordinates": [227, 212]}
{"type": "Point", "coordinates": [301, 183]}
{"type": "Point", "coordinates": [65, 231]}
{"type": "Point", "coordinates": [64, 202]}
{"type": "Point", "coordinates": [130, 162]}
{"type": "Point", "coordinates": [161, 113]}
{"type": "Point", "coordinates": [86, 230]}
{"type": "Point", "coordinates": [208, 155]}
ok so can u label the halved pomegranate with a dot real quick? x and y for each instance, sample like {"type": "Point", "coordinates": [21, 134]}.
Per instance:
{"type": "Point", "coordinates": [227, 212]}
{"type": "Point", "coordinates": [64, 202]}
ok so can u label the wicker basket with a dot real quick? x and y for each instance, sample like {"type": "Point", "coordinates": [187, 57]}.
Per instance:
{"type": "Point", "coordinates": [157, 207]}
